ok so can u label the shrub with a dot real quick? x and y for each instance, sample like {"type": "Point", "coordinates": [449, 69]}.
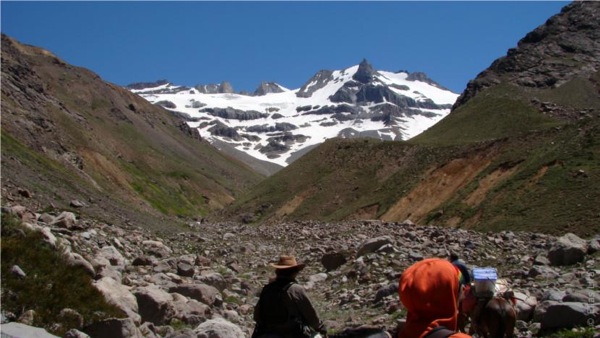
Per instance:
{"type": "Point", "coordinates": [583, 332]}
{"type": "Point", "coordinates": [50, 284]}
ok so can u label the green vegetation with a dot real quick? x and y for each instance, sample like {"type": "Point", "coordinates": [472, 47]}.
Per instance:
{"type": "Point", "coordinates": [498, 112]}
{"type": "Point", "coordinates": [553, 189]}
{"type": "Point", "coordinates": [82, 138]}
{"type": "Point", "coordinates": [164, 192]}
{"type": "Point", "coordinates": [177, 324]}
{"type": "Point", "coordinates": [50, 285]}
{"type": "Point", "coordinates": [44, 165]}
{"type": "Point", "coordinates": [551, 185]}
{"type": "Point", "coordinates": [581, 332]}
{"type": "Point", "coordinates": [522, 159]}
{"type": "Point", "coordinates": [511, 158]}
{"type": "Point", "coordinates": [577, 93]}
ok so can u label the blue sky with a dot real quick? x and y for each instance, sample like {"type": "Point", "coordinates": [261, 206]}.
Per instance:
{"type": "Point", "coordinates": [197, 42]}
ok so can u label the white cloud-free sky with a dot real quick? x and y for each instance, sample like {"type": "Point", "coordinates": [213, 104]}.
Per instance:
{"type": "Point", "coordinates": [196, 42]}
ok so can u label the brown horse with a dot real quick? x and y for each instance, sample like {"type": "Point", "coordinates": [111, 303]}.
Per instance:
{"type": "Point", "coordinates": [497, 319]}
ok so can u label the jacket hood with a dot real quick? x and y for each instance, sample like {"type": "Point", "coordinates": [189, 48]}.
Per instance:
{"type": "Point", "coordinates": [429, 291]}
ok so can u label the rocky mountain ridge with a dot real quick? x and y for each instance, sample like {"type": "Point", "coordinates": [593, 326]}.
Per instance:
{"type": "Point", "coordinates": [277, 125]}
{"type": "Point", "coordinates": [566, 46]}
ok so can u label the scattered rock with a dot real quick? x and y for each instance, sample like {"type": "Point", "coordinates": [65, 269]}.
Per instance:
{"type": "Point", "coordinates": [22, 330]}
{"type": "Point", "coordinates": [17, 271]}
{"type": "Point", "coordinates": [218, 328]}
{"type": "Point", "coordinates": [351, 267]}
{"type": "Point", "coordinates": [568, 250]}
{"type": "Point", "coordinates": [113, 328]}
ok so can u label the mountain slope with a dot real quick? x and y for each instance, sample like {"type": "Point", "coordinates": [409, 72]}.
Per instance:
{"type": "Point", "coordinates": [68, 135]}
{"type": "Point", "coordinates": [276, 124]}
{"type": "Point", "coordinates": [549, 79]}
{"type": "Point", "coordinates": [508, 157]}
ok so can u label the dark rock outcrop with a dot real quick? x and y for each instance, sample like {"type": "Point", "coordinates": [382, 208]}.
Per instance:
{"type": "Point", "coordinates": [267, 87]}
{"type": "Point", "coordinates": [315, 83]}
{"type": "Point", "coordinates": [222, 88]}
{"type": "Point", "coordinates": [144, 85]}
{"type": "Point", "coordinates": [235, 114]}
{"type": "Point", "coordinates": [365, 73]}
{"type": "Point", "coordinates": [270, 129]}
{"type": "Point", "coordinates": [566, 46]}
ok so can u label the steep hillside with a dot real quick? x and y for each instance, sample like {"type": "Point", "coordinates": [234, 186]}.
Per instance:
{"type": "Point", "coordinates": [67, 135]}
{"type": "Point", "coordinates": [551, 78]}
{"type": "Point", "coordinates": [521, 152]}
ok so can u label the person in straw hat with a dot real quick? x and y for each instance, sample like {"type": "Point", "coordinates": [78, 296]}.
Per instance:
{"type": "Point", "coordinates": [284, 310]}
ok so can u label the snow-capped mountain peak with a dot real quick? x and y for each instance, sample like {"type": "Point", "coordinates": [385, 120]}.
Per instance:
{"type": "Point", "coordinates": [276, 124]}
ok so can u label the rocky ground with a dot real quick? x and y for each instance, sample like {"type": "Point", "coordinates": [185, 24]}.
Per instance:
{"type": "Point", "coordinates": [207, 277]}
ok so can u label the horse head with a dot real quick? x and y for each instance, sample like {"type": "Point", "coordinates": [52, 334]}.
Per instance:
{"type": "Point", "coordinates": [497, 319]}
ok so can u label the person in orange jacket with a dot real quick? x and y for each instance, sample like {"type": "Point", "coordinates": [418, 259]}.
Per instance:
{"type": "Point", "coordinates": [431, 290]}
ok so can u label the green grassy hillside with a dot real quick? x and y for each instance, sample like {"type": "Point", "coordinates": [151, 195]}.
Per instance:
{"type": "Point", "coordinates": [509, 159]}
{"type": "Point", "coordinates": [66, 135]}
{"type": "Point", "coordinates": [546, 181]}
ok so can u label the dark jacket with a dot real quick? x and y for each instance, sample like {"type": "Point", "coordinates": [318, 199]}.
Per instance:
{"type": "Point", "coordinates": [299, 307]}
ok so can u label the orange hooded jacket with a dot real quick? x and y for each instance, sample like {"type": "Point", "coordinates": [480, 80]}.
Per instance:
{"type": "Point", "coordinates": [429, 290]}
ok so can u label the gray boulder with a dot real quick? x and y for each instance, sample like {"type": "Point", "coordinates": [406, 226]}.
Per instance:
{"type": "Point", "coordinates": [190, 311]}
{"type": "Point", "coordinates": [113, 328]}
{"type": "Point", "coordinates": [206, 294]}
{"type": "Point", "coordinates": [218, 328]}
{"type": "Point", "coordinates": [155, 305]}
{"type": "Point", "coordinates": [17, 330]}
{"type": "Point", "coordinates": [386, 290]}
{"type": "Point", "coordinates": [119, 295]}
{"type": "Point", "coordinates": [583, 296]}
{"type": "Point", "coordinates": [156, 248]}
{"type": "Point", "coordinates": [333, 260]}
{"type": "Point", "coordinates": [76, 259]}
{"type": "Point", "coordinates": [66, 220]}
{"type": "Point", "coordinates": [373, 244]}
{"type": "Point", "coordinates": [525, 306]}
{"type": "Point", "coordinates": [554, 295]}
{"type": "Point", "coordinates": [185, 269]}
{"type": "Point", "coordinates": [213, 279]}
{"type": "Point", "coordinates": [568, 250]}
{"type": "Point", "coordinates": [110, 256]}
{"type": "Point", "coordinates": [18, 272]}
{"type": "Point", "coordinates": [74, 333]}
{"type": "Point", "coordinates": [556, 315]}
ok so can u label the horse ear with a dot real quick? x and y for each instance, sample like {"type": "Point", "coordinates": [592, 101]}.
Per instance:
{"type": "Point", "coordinates": [510, 296]}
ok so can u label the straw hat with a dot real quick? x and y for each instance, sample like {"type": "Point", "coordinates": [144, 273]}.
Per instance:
{"type": "Point", "coordinates": [287, 262]}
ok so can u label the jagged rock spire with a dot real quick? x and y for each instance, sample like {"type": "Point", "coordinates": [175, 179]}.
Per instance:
{"type": "Point", "coordinates": [225, 87]}
{"type": "Point", "coordinates": [267, 87]}
{"type": "Point", "coordinates": [365, 72]}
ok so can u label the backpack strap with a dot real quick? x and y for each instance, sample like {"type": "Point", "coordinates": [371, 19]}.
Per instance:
{"type": "Point", "coordinates": [287, 286]}
{"type": "Point", "coordinates": [440, 332]}
{"type": "Point", "coordinates": [287, 300]}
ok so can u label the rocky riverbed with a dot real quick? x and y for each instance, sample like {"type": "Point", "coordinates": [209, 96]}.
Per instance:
{"type": "Point", "coordinates": [206, 277]}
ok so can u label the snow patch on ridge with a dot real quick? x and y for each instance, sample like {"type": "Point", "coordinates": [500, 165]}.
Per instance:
{"type": "Point", "coordinates": [316, 118]}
